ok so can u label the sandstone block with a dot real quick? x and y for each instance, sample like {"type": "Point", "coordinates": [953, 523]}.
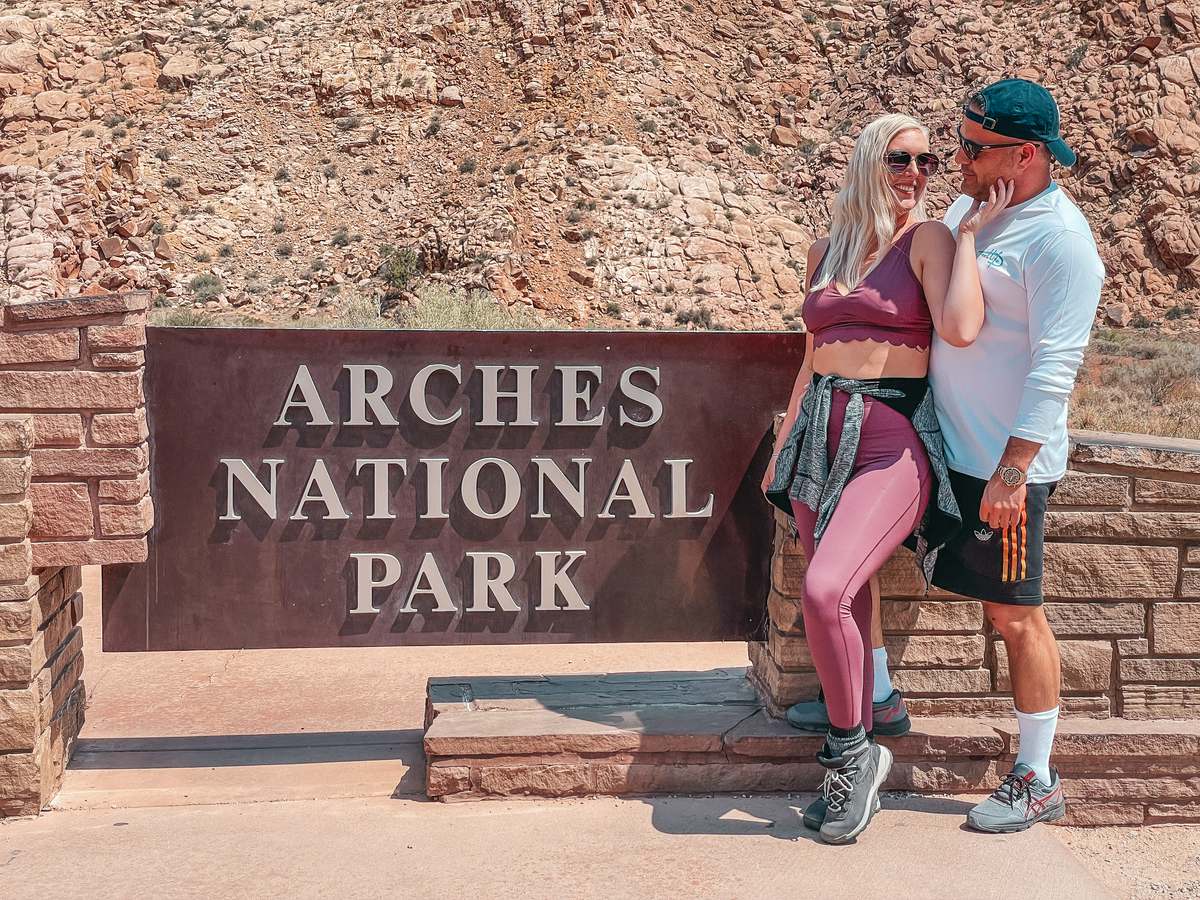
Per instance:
{"type": "Point", "coordinates": [789, 651]}
{"type": "Point", "coordinates": [1159, 702]}
{"type": "Point", "coordinates": [61, 510]}
{"type": "Point", "coordinates": [71, 390]}
{"type": "Point", "coordinates": [21, 590]}
{"type": "Point", "coordinates": [127, 489]}
{"type": "Point", "coordinates": [38, 311]}
{"type": "Point", "coordinates": [16, 664]}
{"type": "Point", "coordinates": [60, 345]}
{"type": "Point", "coordinates": [1166, 493]}
{"type": "Point", "coordinates": [1172, 812]}
{"type": "Point", "coordinates": [1110, 571]}
{"type": "Point", "coordinates": [20, 720]}
{"type": "Point", "coordinates": [787, 575]}
{"type": "Point", "coordinates": [1193, 556]}
{"type": "Point", "coordinates": [1093, 814]}
{"type": "Point", "coordinates": [89, 553]}
{"type": "Point", "coordinates": [1140, 452]}
{"type": "Point", "coordinates": [1189, 584]}
{"type": "Point", "coordinates": [943, 681]}
{"type": "Point", "coordinates": [16, 433]}
{"type": "Point", "coordinates": [1174, 525]}
{"type": "Point", "coordinates": [780, 688]}
{"type": "Point", "coordinates": [536, 781]}
{"type": "Point", "coordinates": [1001, 708]}
{"type": "Point", "coordinates": [936, 650]}
{"type": "Point", "coordinates": [58, 429]}
{"type": "Point", "coordinates": [1096, 618]}
{"type": "Point", "coordinates": [1133, 647]}
{"type": "Point", "coordinates": [119, 520]}
{"type": "Point", "coordinates": [911, 616]}
{"type": "Point", "coordinates": [119, 429]}
{"type": "Point", "coordinates": [1176, 627]}
{"type": "Point", "coordinates": [132, 360]}
{"type": "Point", "coordinates": [443, 780]}
{"type": "Point", "coordinates": [1133, 789]}
{"type": "Point", "coordinates": [785, 613]}
{"type": "Point", "coordinates": [14, 520]}
{"type": "Point", "coordinates": [16, 561]}
{"type": "Point", "coordinates": [15, 472]}
{"type": "Point", "coordinates": [1088, 489]}
{"type": "Point", "coordinates": [110, 338]}
{"type": "Point", "coordinates": [1086, 666]}
{"type": "Point", "coordinates": [16, 620]}
{"type": "Point", "coordinates": [1161, 671]}
{"type": "Point", "coordinates": [90, 462]}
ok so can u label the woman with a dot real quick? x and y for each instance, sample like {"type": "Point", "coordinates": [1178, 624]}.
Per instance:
{"type": "Point", "coordinates": [858, 460]}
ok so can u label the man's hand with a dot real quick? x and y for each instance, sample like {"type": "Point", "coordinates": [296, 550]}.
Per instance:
{"type": "Point", "coordinates": [1002, 506]}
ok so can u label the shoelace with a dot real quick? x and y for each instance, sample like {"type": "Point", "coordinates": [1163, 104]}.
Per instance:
{"type": "Point", "coordinates": [1012, 789]}
{"type": "Point", "coordinates": [838, 786]}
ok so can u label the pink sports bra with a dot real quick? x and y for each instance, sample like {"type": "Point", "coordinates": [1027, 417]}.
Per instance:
{"type": "Point", "coordinates": [887, 306]}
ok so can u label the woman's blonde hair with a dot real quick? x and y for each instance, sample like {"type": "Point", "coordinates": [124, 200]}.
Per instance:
{"type": "Point", "coordinates": [864, 216]}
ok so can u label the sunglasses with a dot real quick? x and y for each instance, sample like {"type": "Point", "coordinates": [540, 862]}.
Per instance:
{"type": "Point", "coordinates": [972, 149]}
{"type": "Point", "coordinates": [898, 161]}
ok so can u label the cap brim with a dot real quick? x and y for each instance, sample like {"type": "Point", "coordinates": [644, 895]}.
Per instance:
{"type": "Point", "coordinates": [1061, 152]}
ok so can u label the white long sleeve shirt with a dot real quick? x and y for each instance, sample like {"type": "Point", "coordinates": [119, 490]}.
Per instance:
{"type": "Point", "coordinates": [1041, 278]}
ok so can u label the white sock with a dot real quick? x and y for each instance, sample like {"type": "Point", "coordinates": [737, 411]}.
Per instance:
{"type": "Point", "coordinates": [1037, 735]}
{"type": "Point", "coordinates": [883, 680]}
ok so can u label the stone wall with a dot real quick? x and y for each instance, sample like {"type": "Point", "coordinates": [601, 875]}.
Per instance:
{"type": "Point", "coordinates": [1122, 590]}
{"type": "Point", "coordinates": [74, 491]}
{"type": "Point", "coordinates": [42, 695]}
{"type": "Point", "coordinates": [76, 365]}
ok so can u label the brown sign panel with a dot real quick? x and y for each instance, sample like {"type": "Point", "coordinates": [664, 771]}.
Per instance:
{"type": "Point", "coordinates": [351, 488]}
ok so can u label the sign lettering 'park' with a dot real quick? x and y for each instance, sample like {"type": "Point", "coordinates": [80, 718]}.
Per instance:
{"type": "Point", "coordinates": [349, 488]}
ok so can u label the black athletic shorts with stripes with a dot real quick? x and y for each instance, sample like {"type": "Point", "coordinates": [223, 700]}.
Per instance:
{"type": "Point", "coordinates": [997, 565]}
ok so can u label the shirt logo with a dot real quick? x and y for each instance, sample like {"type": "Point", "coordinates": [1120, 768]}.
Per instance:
{"type": "Point", "coordinates": [983, 535]}
{"type": "Point", "coordinates": [991, 257]}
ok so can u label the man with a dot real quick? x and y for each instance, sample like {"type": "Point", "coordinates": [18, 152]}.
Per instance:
{"type": "Point", "coordinates": [1002, 406]}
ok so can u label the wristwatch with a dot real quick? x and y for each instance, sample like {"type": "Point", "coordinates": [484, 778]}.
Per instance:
{"type": "Point", "coordinates": [1010, 475]}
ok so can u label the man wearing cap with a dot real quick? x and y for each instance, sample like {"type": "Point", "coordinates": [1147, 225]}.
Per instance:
{"type": "Point", "coordinates": [1002, 406]}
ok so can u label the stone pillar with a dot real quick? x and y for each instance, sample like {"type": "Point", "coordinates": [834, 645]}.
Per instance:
{"type": "Point", "coordinates": [41, 662]}
{"type": "Point", "coordinates": [76, 364]}
{"type": "Point", "coordinates": [74, 491]}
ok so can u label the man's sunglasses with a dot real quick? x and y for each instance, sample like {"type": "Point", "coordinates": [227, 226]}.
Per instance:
{"type": "Point", "coordinates": [972, 149]}
{"type": "Point", "coordinates": [898, 161]}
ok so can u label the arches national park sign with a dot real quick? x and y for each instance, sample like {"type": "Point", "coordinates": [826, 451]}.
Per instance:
{"type": "Point", "coordinates": [325, 488]}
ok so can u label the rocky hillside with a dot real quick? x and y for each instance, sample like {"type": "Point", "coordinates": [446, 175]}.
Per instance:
{"type": "Point", "coordinates": [607, 162]}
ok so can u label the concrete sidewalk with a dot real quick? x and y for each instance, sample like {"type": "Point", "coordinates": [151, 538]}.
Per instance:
{"type": "Point", "coordinates": [169, 795]}
{"type": "Point", "coordinates": [752, 847]}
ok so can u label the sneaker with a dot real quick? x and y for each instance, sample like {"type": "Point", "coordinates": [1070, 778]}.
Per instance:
{"type": "Point", "coordinates": [1022, 800]}
{"type": "Point", "coordinates": [851, 790]}
{"type": "Point", "coordinates": [814, 813]}
{"type": "Point", "coordinates": [890, 717]}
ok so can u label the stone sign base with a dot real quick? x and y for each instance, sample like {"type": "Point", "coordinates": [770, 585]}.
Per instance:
{"type": "Point", "coordinates": [706, 732]}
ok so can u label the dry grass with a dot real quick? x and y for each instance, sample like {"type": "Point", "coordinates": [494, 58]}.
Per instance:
{"type": "Point", "coordinates": [1139, 382]}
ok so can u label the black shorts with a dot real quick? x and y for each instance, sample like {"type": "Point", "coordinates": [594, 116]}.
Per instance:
{"type": "Point", "coordinates": [997, 566]}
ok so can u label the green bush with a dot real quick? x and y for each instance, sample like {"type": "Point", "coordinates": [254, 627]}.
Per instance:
{"type": "Point", "coordinates": [399, 266]}
{"type": "Point", "coordinates": [206, 286]}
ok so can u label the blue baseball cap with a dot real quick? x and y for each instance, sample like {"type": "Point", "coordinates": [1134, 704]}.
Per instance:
{"type": "Point", "coordinates": [1020, 109]}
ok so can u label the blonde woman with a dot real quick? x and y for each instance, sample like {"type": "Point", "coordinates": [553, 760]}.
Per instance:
{"type": "Point", "coordinates": [859, 459]}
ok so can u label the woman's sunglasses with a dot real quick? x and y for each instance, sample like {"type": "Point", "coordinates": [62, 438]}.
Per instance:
{"type": "Point", "coordinates": [898, 161]}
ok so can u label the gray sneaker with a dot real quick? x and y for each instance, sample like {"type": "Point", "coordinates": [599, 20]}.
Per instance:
{"type": "Point", "coordinates": [851, 790]}
{"type": "Point", "coordinates": [814, 813]}
{"type": "Point", "coordinates": [1022, 800]}
{"type": "Point", "coordinates": [890, 717]}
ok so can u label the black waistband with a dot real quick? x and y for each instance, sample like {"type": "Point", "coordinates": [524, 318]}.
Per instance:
{"type": "Point", "coordinates": [912, 389]}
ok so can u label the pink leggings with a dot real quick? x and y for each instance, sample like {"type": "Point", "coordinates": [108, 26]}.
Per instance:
{"type": "Point", "coordinates": [881, 505]}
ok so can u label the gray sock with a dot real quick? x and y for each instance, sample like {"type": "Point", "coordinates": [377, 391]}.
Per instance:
{"type": "Point", "coordinates": [839, 745]}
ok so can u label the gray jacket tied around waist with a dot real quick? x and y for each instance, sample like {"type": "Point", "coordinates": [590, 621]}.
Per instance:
{"type": "Point", "coordinates": [803, 471]}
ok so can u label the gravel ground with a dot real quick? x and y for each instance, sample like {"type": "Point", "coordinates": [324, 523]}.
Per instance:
{"type": "Point", "coordinates": [1161, 862]}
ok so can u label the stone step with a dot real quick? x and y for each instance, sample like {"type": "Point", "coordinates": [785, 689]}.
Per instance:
{"type": "Point", "coordinates": [706, 732]}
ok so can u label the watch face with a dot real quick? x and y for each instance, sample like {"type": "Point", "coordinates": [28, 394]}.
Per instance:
{"type": "Point", "coordinates": [1010, 476]}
